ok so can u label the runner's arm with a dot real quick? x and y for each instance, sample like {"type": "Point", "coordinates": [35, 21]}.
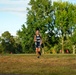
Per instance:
{"type": "Point", "coordinates": [35, 38]}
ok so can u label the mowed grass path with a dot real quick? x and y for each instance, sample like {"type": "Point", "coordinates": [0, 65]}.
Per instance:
{"type": "Point", "coordinates": [31, 65]}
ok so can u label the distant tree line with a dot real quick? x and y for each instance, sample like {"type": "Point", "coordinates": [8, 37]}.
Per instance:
{"type": "Point", "coordinates": [57, 24]}
{"type": "Point", "coordinates": [9, 44]}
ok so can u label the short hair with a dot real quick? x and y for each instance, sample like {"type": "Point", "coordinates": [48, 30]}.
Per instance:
{"type": "Point", "coordinates": [37, 28]}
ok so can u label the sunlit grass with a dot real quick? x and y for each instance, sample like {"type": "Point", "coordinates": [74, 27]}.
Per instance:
{"type": "Point", "coordinates": [45, 65]}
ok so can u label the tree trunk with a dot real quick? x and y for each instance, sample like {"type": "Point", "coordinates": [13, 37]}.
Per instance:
{"type": "Point", "coordinates": [73, 49]}
{"type": "Point", "coordinates": [62, 45]}
{"type": "Point", "coordinates": [42, 50]}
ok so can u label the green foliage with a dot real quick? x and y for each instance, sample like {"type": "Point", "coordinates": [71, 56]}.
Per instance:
{"type": "Point", "coordinates": [57, 25]}
{"type": "Point", "coordinates": [40, 15]}
{"type": "Point", "coordinates": [8, 44]}
{"type": "Point", "coordinates": [56, 22]}
{"type": "Point", "coordinates": [73, 38]}
{"type": "Point", "coordinates": [65, 20]}
{"type": "Point", "coordinates": [26, 39]}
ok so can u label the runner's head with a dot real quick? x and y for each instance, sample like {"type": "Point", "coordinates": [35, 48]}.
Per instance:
{"type": "Point", "coordinates": [37, 31]}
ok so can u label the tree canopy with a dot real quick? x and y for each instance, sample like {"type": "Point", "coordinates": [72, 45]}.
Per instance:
{"type": "Point", "coordinates": [57, 25]}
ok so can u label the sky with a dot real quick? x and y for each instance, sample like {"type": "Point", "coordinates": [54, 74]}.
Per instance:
{"type": "Point", "coordinates": [13, 14]}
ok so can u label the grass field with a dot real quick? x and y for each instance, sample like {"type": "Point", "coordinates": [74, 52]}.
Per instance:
{"type": "Point", "coordinates": [31, 65]}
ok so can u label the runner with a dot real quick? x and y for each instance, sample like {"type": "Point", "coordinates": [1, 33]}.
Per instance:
{"type": "Point", "coordinates": [38, 42]}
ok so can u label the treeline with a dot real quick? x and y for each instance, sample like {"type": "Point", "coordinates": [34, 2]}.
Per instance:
{"type": "Point", "coordinates": [57, 24]}
{"type": "Point", "coordinates": [9, 44]}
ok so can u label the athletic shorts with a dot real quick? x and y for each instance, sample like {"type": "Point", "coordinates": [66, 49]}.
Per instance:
{"type": "Point", "coordinates": [37, 44]}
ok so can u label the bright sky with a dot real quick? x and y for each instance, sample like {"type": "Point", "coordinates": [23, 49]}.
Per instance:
{"type": "Point", "coordinates": [13, 14]}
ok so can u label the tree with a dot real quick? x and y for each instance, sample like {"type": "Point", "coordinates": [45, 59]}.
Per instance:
{"type": "Point", "coordinates": [65, 14]}
{"type": "Point", "coordinates": [73, 40]}
{"type": "Point", "coordinates": [40, 15]}
{"type": "Point", "coordinates": [0, 45]}
{"type": "Point", "coordinates": [25, 37]}
{"type": "Point", "coordinates": [8, 42]}
{"type": "Point", "coordinates": [56, 22]}
{"type": "Point", "coordinates": [17, 45]}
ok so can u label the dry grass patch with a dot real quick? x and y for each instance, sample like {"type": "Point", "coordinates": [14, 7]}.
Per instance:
{"type": "Point", "coordinates": [30, 64]}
